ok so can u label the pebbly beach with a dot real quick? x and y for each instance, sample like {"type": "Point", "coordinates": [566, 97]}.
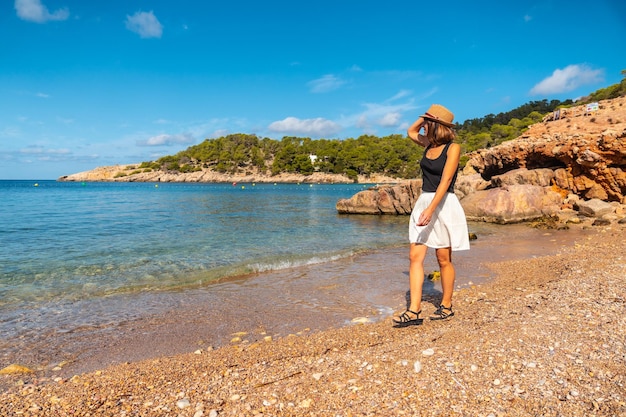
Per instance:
{"type": "Point", "coordinates": [544, 336]}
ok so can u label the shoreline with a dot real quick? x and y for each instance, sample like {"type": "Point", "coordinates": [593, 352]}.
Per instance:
{"type": "Point", "coordinates": [136, 326]}
{"type": "Point", "coordinates": [546, 337]}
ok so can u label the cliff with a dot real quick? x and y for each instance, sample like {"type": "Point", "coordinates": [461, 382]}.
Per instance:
{"type": "Point", "coordinates": [586, 150]}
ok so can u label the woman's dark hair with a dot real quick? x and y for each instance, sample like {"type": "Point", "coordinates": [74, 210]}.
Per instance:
{"type": "Point", "coordinates": [438, 134]}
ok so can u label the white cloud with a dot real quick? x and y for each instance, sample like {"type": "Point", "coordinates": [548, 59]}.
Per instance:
{"type": "Point", "coordinates": [325, 84]}
{"type": "Point", "coordinates": [567, 79]}
{"type": "Point", "coordinates": [527, 18]}
{"type": "Point", "coordinates": [42, 154]}
{"type": "Point", "coordinates": [390, 119]}
{"type": "Point", "coordinates": [34, 11]}
{"type": "Point", "coordinates": [167, 140]}
{"type": "Point", "coordinates": [312, 127]}
{"type": "Point", "coordinates": [145, 24]}
{"type": "Point", "coordinates": [386, 114]}
{"type": "Point", "coordinates": [219, 133]}
{"type": "Point", "coordinates": [401, 93]}
{"type": "Point", "coordinates": [42, 95]}
{"type": "Point", "coordinates": [10, 132]}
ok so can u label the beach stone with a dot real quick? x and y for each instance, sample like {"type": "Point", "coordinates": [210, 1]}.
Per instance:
{"type": "Point", "coordinates": [15, 369]}
{"type": "Point", "coordinates": [595, 208]}
{"type": "Point", "coordinates": [601, 222]}
{"type": "Point", "coordinates": [428, 352]}
{"type": "Point", "coordinates": [305, 403]}
{"type": "Point", "coordinates": [360, 320]}
{"type": "Point", "coordinates": [184, 403]}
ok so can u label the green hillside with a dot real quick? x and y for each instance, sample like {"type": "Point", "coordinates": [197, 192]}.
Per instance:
{"type": "Point", "coordinates": [393, 155]}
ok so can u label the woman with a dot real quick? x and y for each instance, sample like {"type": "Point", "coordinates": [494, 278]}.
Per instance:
{"type": "Point", "coordinates": [438, 220]}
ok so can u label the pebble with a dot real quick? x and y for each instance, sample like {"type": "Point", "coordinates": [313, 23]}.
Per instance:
{"type": "Point", "coordinates": [184, 403]}
{"type": "Point", "coordinates": [360, 320]}
{"type": "Point", "coordinates": [15, 369]}
{"type": "Point", "coordinates": [428, 352]}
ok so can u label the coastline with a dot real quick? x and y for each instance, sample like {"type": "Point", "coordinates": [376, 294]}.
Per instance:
{"type": "Point", "coordinates": [546, 337]}
{"type": "Point", "coordinates": [129, 173]}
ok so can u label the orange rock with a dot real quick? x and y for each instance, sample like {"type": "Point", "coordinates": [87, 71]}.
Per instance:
{"type": "Point", "coordinates": [15, 369]}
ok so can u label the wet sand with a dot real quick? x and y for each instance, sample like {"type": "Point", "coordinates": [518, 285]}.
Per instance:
{"type": "Point", "coordinates": [272, 304]}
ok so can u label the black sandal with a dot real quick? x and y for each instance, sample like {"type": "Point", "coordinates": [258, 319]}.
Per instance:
{"type": "Point", "coordinates": [442, 313]}
{"type": "Point", "coordinates": [404, 320]}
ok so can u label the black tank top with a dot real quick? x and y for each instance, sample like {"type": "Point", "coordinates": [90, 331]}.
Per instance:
{"type": "Point", "coordinates": [432, 169]}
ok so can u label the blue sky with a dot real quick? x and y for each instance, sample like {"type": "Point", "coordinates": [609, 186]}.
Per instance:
{"type": "Point", "coordinates": [91, 83]}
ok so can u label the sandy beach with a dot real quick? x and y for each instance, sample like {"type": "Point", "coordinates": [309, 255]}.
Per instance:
{"type": "Point", "coordinates": [545, 337]}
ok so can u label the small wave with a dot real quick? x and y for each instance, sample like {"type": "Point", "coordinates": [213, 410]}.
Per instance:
{"type": "Point", "coordinates": [295, 263]}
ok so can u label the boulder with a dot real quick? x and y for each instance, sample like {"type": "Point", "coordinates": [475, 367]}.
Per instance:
{"type": "Point", "coordinates": [467, 184]}
{"type": "Point", "coordinates": [595, 208]}
{"type": "Point", "coordinates": [388, 199]}
{"type": "Point", "coordinates": [512, 204]}
{"type": "Point", "coordinates": [542, 177]}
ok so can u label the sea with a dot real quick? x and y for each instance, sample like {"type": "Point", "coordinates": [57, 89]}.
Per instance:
{"type": "Point", "coordinates": [90, 271]}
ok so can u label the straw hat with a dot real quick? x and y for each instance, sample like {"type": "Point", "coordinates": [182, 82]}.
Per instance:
{"type": "Point", "coordinates": [440, 114]}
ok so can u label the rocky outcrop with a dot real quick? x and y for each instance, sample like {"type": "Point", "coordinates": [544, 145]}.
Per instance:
{"type": "Point", "coordinates": [586, 152]}
{"type": "Point", "coordinates": [131, 173]}
{"type": "Point", "coordinates": [389, 199]}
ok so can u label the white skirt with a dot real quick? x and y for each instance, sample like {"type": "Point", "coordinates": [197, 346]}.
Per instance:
{"type": "Point", "coordinates": [447, 228]}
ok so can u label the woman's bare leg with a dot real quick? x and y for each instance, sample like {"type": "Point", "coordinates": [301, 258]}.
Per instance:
{"type": "Point", "coordinates": [417, 254]}
{"type": "Point", "coordinates": [448, 275]}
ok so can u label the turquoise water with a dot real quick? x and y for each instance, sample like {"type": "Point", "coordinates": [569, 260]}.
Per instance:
{"type": "Point", "coordinates": [72, 241]}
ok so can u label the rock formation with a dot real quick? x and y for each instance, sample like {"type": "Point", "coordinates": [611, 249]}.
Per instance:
{"type": "Point", "coordinates": [585, 151]}
{"type": "Point", "coordinates": [389, 199]}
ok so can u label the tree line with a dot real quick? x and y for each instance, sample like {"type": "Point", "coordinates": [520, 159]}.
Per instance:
{"type": "Point", "coordinates": [394, 155]}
